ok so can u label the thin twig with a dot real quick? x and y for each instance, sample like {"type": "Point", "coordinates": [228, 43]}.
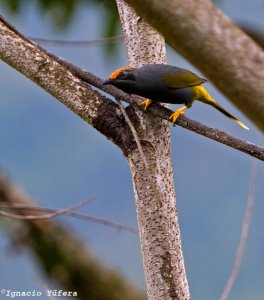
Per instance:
{"type": "Point", "coordinates": [244, 234]}
{"type": "Point", "coordinates": [78, 43]}
{"type": "Point", "coordinates": [81, 216]}
{"type": "Point", "coordinates": [133, 130]}
{"type": "Point", "coordinates": [51, 215]}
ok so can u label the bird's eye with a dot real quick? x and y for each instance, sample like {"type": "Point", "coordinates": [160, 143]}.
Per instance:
{"type": "Point", "coordinates": [126, 76]}
{"type": "Point", "coordinates": [122, 75]}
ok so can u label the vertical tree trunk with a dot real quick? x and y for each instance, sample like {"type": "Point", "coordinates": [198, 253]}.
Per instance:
{"type": "Point", "coordinates": [154, 187]}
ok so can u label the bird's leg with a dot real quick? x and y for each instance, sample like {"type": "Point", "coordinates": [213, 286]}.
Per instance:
{"type": "Point", "coordinates": [180, 111]}
{"type": "Point", "coordinates": [145, 104]}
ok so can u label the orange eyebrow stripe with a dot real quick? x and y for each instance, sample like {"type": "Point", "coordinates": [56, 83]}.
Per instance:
{"type": "Point", "coordinates": [117, 71]}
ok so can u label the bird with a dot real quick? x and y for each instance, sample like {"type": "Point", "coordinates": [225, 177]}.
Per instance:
{"type": "Point", "coordinates": [166, 84]}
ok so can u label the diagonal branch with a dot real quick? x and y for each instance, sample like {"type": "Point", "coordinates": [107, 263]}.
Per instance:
{"type": "Point", "coordinates": [78, 43]}
{"type": "Point", "coordinates": [48, 213]}
{"type": "Point", "coordinates": [44, 216]}
{"type": "Point", "coordinates": [52, 74]}
{"type": "Point", "coordinates": [89, 104]}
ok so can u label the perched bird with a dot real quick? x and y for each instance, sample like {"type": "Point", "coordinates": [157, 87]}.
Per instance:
{"type": "Point", "coordinates": [165, 83]}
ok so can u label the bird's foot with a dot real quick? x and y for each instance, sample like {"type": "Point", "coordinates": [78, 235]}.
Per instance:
{"type": "Point", "coordinates": [173, 117]}
{"type": "Point", "coordinates": [145, 104]}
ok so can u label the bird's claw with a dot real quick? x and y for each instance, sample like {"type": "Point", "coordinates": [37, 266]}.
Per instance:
{"type": "Point", "coordinates": [173, 117]}
{"type": "Point", "coordinates": [145, 104]}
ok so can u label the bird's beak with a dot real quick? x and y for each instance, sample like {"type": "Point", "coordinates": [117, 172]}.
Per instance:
{"type": "Point", "coordinates": [108, 81]}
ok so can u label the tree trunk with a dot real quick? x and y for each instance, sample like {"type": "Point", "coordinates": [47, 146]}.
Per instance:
{"type": "Point", "coordinates": [154, 187]}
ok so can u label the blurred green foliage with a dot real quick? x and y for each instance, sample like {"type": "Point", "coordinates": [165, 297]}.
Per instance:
{"type": "Point", "coordinates": [61, 12]}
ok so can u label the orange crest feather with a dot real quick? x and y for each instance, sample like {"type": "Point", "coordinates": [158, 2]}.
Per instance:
{"type": "Point", "coordinates": [117, 71]}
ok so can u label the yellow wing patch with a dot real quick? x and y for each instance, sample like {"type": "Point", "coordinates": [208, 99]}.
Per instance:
{"type": "Point", "coordinates": [117, 72]}
{"type": "Point", "coordinates": [182, 78]}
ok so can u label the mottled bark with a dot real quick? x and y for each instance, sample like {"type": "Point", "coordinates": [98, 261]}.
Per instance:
{"type": "Point", "coordinates": [47, 73]}
{"type": "Point", "coordinates": [154, 187]}
{"type": "Point", "coordinates": [200, 32]}
{"type": "Point", "coordinates": [56, 79]}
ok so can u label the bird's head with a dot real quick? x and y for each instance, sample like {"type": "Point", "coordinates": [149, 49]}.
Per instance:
{"type": "Point", "coordinates": [122, 78]}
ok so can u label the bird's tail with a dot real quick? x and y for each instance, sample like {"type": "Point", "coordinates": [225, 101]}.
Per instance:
{"type": "Point", "coordinates": [202, 95]}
